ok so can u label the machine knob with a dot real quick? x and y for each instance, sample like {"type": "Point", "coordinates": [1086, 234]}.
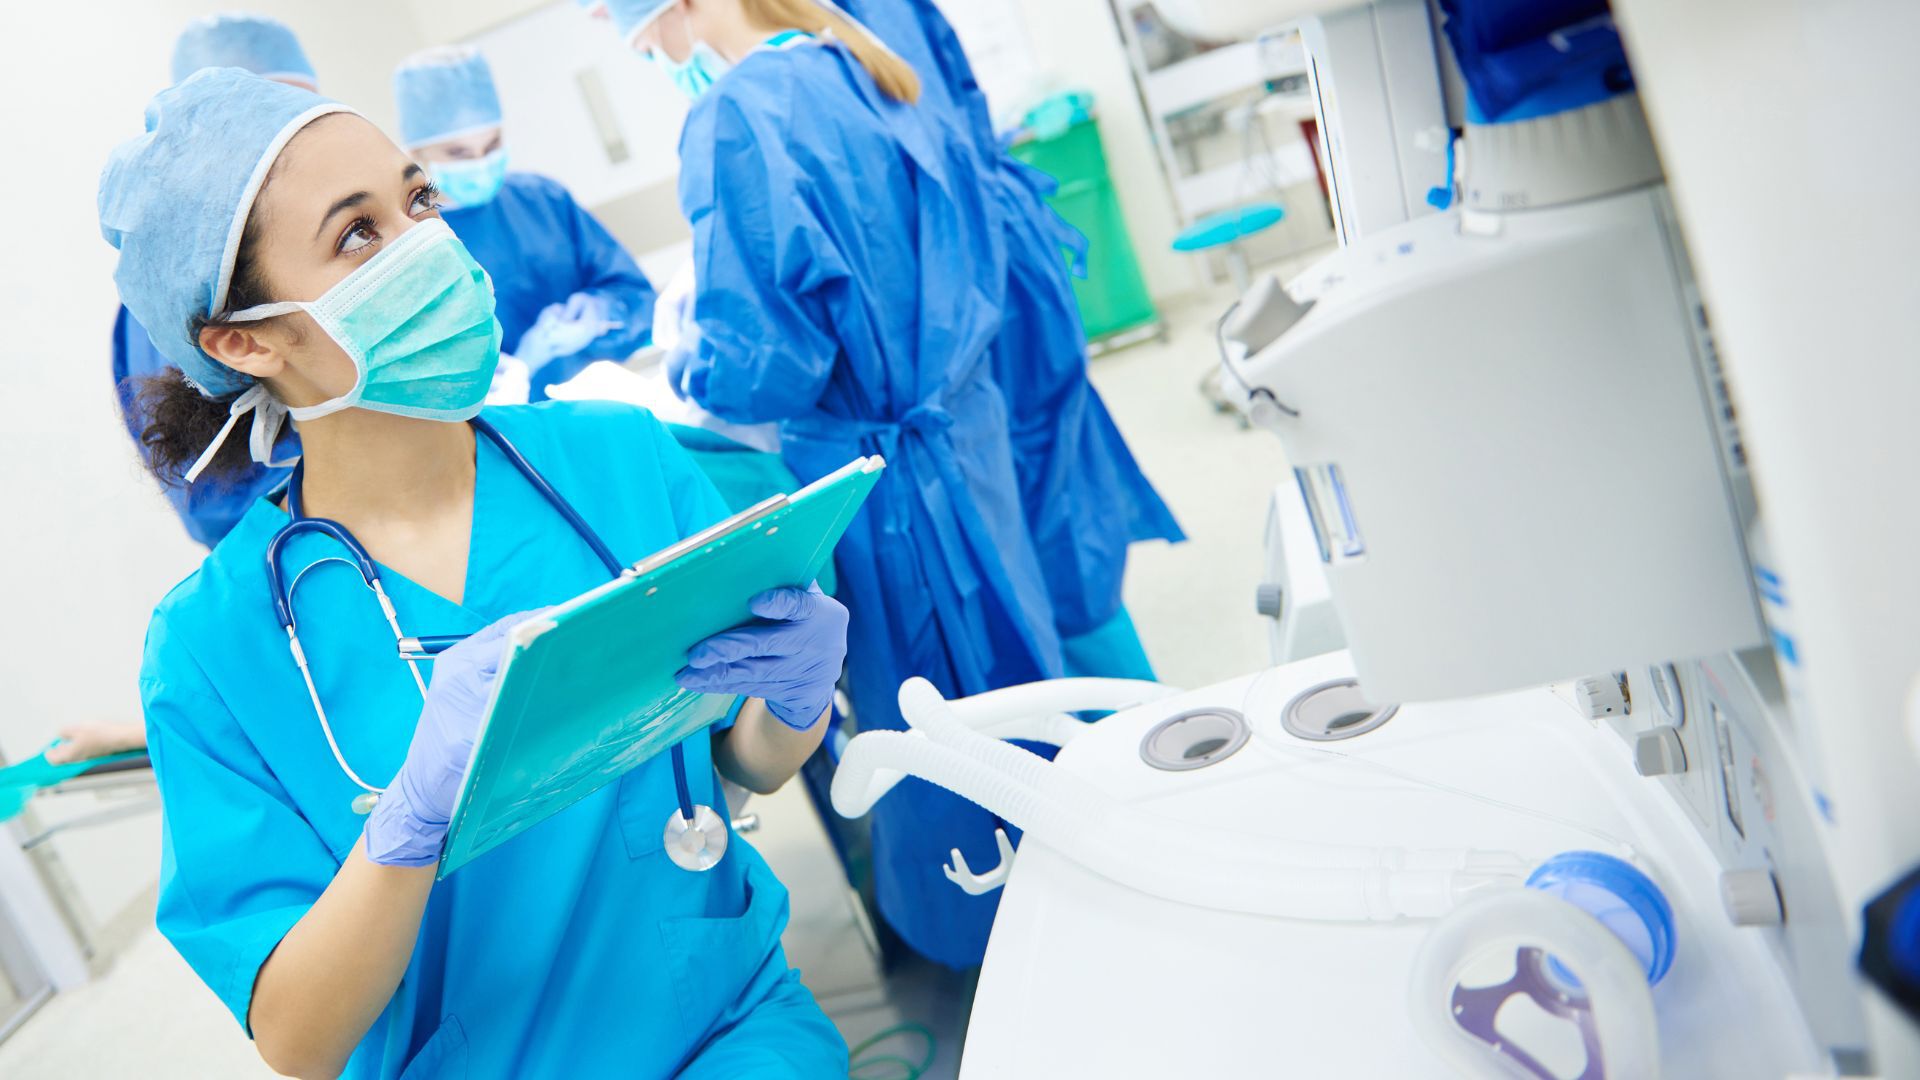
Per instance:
{"type": "Point", "coordinates": [1752, 898]}
{"type": "Point", "coordinates": [1659, 752]}
{"type": "Point", "coordinates": [1600, 698]}
{"type": "Point", "coordinates": [1269, 598]}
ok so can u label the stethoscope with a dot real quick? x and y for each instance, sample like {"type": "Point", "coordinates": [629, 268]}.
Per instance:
{"type": "Point", "coordinates": [695, 837]}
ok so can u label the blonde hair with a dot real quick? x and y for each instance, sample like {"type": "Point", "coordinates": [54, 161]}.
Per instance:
{"type": "Point", "coordinates": [892, 75]}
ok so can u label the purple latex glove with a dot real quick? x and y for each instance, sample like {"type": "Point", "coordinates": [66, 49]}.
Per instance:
{"type": "Point", "coordinates": [790, 660]}
{"type": "Point", "coordinates": [409, 823]}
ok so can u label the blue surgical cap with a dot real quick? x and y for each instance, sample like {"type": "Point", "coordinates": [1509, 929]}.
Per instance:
{"type": "Point", "coordinates": [632, 16]}
{"type": "Point", "coordinates": [175, 202]}
{"type": "Point", "coordinates": [254, 42]}
{"type": "Point", "coordinates": [442, 93]}
{"type": "Point", "coordinates": [591, 6]}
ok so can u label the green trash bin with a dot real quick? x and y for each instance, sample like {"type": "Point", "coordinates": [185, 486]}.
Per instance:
{"type": "Point", "coordinates": [1113, 297]}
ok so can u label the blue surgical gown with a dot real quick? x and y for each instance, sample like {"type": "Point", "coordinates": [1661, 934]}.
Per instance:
{"type": "Point", "coordinates": [576, 949]}
{"type": "Point", "coordinates": [848, 284]}
{"type": "Point", "coordinates": [541, 248]}
{"type": "Point", "coordinates": [209, 507]}
{"type": "Point", "coordinates": [1085, 498]}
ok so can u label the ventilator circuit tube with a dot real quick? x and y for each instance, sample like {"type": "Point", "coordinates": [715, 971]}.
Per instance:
{"type": "Point", "coordinates": [1204, 867]}
{"type": "Point", "coordinates": [1040, 711]}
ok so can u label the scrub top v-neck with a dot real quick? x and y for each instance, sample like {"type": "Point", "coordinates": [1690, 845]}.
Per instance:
{"type": "Point", "coordinates": [577, 948]}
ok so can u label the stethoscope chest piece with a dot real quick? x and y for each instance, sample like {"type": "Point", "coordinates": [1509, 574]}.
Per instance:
{"type": "Point", "coordinates": [698, 844]}
{"type": "Point", "coordinates": [364, 802]}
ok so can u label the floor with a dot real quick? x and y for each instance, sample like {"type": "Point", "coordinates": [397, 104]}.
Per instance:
{"type": "Point", "coordinates": [1193, 603]}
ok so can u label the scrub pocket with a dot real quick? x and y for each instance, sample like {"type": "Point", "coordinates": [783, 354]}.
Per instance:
{"type": "Point", "coordinates": [442, 1057]}
{"type": "Point", "coordinates": [714, 962]}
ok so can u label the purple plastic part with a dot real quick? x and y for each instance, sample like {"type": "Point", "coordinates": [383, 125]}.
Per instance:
{"type": "Point", "coordinates": [1475, 1007]}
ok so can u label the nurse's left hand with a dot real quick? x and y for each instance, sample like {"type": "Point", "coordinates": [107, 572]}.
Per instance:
{"type": "Point", "coordinates": [790, 660]}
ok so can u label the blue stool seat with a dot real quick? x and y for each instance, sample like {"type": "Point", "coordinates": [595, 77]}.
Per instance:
{"type": "Point", "coordinates": [1228, 226]}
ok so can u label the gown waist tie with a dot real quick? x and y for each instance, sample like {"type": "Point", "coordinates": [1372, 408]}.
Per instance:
{"type": "Point", "coordinates": [933, 468]}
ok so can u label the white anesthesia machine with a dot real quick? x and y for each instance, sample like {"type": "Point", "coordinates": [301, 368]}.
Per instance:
{"type": "Point", "coordinates": [1595, 423]}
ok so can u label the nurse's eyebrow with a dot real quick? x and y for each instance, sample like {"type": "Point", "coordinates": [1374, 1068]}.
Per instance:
{"type": "Point", "coordinates": [347, 203]}
{"type": "Point", "coordinates": [359, 197]}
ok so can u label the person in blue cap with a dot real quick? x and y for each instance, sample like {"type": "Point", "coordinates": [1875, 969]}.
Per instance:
{"type": "Point", "coordinates": [568, 293]}
{"type": "Point", "coordinates": [1085, 497]}
{"type": "Point", "coordinates": [270, 50]}
{"type": "Point", "coordinates": [256, 43]}
{"type": "Point", "coordinates": [848, 272]}
{"type": "Point", "coordinates": [297, 260]}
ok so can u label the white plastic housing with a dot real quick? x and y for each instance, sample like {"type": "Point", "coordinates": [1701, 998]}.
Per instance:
{"type": "Point", "coordinates": [1306, 623]}
{"type": "Point", "coordinates": [1485, 385]}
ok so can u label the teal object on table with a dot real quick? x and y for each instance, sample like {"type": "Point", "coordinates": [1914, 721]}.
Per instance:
{"type": "Point", "coordinates": [586, 692]}
{"type": "Point", "coordinates": [1052, 117]}
{"type": "Point", "coordinates": [744, 476]}
{"type": "Point", "coordinates": [1228, 226]}
{"type": "Point", "coordinates": [18, 783]}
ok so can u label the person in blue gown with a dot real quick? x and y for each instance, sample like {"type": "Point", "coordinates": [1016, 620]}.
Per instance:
{"type": "Point", "coordinates": [848, 274]}
{"type": "Point", "coordinates": [270, 50]}
{"type": "Point", "coordinates": [568, 293]}
{"type": "Point", "coordinates": [1085, 497]}
{"type": "Point", "coordinates": [579, 948]}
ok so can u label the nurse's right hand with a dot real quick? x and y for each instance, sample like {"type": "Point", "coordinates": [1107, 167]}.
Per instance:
{"type": "Point", "coordinates": [408, 825]}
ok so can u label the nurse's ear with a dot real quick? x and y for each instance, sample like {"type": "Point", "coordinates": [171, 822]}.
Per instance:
{"type": "Point", "coordinates": [244, 348]}
{"type": "Point", "coordinates": [255, 347]}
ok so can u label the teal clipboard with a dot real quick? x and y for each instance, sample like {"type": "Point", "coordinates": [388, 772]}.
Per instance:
{"type": "Point", "coordinates": [586, 692]}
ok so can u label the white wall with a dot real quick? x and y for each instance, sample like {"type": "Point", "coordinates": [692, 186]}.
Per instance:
{"type": "Point", "coordinates": [87, 545]}
{"type": "Point", "coordinates": [458, 20]}
{"type": "Point", "coordinates": [541, 62]}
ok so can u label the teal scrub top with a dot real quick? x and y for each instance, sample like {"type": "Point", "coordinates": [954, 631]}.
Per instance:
{"type": "Point", "coordinates": [577, 949]}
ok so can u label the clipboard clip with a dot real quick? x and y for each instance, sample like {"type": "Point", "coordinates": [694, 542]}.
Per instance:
{"type": "Point", "coordinates": [742, 520]}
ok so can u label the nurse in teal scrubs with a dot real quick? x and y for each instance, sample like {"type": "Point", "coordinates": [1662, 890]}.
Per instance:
{"type": "Point", "coordinates": [294, 261]}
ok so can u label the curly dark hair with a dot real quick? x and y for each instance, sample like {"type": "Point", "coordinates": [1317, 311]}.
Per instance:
{"type": "Point", "coordinates": [174, 420]}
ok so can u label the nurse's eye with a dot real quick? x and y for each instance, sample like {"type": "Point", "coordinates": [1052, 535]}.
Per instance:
{"type": "Point", "coordinates": [426, 199]}
{"type": "Point", "coordinates": [359, 237]}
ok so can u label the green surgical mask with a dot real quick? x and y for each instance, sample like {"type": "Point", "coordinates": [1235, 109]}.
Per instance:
{"type": "Point", "coordinates": [418, 322]}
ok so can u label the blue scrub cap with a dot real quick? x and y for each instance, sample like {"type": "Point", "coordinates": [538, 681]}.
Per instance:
{"type": "Point", "coordinates": [175, 201]}
{"type": "Point", "coordinates": [236, 39]}
{"type": "Point", "coordinates": [442, 93]}
{"type": "Point", "coordinates": [632, 16]}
